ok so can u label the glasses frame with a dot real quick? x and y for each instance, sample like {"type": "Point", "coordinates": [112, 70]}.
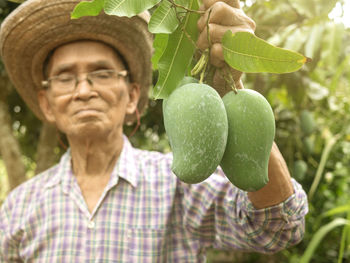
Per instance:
{"type": "Point", "coordinates": [46, 83]}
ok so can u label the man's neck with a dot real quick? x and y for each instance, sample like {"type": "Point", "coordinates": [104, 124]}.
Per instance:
{"type": "Point", "coordinates": [95, 157]}
{"type": "Point", "coordinates": [93, 160]}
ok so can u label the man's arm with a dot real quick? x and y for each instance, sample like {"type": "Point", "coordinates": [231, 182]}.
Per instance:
{"type": "Point", "coordinates": [8, 245]}
{"type": "Point", "coordinates": [267, 220]}
{"type": "Point", "coordinates": [219, 215]}
{"type": "Point", "coordinates": [279, 187]}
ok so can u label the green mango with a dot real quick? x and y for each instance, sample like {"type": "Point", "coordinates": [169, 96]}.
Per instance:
{"type": "Point", "coordinates": [196, 123]}
{"type": "Point", "coordinates": [187, 80]}
{"type": "Point", "coordinates": [250, 137]}
{"type": "Point", "coordinates": [299, 169]}
{"type": "Point", "coordinates": [309, 145]}
{"type": "Point", "coordinates": [307, 122]}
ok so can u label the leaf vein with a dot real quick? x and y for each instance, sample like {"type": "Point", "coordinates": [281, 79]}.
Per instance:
{"type": "Point", "coordinates": [118, 5]}
{"type": "Point", "coordinates": [164, 17]}
{"type": "Point", "coordinates": [261, 58]}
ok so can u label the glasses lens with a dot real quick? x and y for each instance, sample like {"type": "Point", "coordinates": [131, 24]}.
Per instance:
{"type": "Point", "coordinates": [67, 82]}
{"type": "Point", "coordinates": [64, 82]}
{"type": "Point", "coordinates": [103, 77]}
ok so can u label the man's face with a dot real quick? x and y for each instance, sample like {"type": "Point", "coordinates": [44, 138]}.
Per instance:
{"type": "Point", "coordinates": [90, 108]}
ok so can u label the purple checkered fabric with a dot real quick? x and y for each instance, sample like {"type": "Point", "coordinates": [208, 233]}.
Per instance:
{"type": "Point", "coordinates": [145, 214]}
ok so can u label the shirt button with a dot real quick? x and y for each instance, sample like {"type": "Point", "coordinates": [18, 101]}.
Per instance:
{"type": "Point", "coordinates": [91, 225]}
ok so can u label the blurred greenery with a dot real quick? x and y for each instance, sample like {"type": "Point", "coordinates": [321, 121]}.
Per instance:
{"type": "Point", "coordinates": [320, 88]}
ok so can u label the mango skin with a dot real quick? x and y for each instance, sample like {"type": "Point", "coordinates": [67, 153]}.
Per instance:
{"type": "Point", "coordinates": [299, 169]}
{"type": "Point", "coordinates": [251, 133]}
{"type": "Point", "coordinates": [307, 122]}
{"type": "Point", "coordinates": [196, 123]}
{"type": "Point", "coordinates": [187, 80]}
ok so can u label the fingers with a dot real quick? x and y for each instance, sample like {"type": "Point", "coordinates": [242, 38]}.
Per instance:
{"type": "Point", "coordinates": [217, 56]}
{"type": "Point", "coordinates": [223, 14]}
{"type": "Point", "coordinates": [215, 34]}
{"type": "Point", "coordinates": [232, 3]}
{"type": "Point", "coordinates": [201, 8]}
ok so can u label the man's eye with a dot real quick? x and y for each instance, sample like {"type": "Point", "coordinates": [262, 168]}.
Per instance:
{"type": "Point", "coordinates": [103, 75]}
{"type": "Point", "coordinates": [65, 78]}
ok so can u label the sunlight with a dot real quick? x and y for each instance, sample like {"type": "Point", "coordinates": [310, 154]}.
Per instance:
{"type": "Point", "coordinates": [341, 13]}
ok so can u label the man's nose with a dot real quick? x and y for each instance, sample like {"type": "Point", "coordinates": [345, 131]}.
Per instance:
{"type": "Point", "coordinates": [83, 89]}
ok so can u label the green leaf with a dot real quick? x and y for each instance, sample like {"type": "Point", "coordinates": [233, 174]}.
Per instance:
{"type": "Point", "coordinates": [343, 242]}
{"type": "Point", "coordinates": [296, 40]}
{"type": "Point", "coordinates": [159, 44]}
{"type": "Point", "coordinates": [183, 3]}
{"type": "Point", "coordinates": [87, 9]}
{"type": "Point", "coordinates": [128, 8]}
{"type": "Point", "coordinates": [338, 210]}
{"type": "Point", "coordinates": [319, 235]}
{"type": "Point", "coordinates": [330, 142]}
{"type": "Point", "coordinates": [343, 67]}
{"type": "Point", "coordinates": [304, 7]}
{"type": "Point", "coordinates": [248, 53]}
{"type": "Point", "coordinates": [279, 39]}
{"type": "Point", "coordinates": [312, 45]}
{"type": "Point", "coordinates": [313, 8]}
{"type": "Point", "coordinates": [178, 54]}
{"type": "Point", "coordinates": [163, 19]}
{"type": "Point", "coordinates": [331, 48]}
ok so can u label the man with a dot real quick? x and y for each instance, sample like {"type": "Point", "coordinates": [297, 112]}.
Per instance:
{"type": "Point", "coordinates": [106, 201]}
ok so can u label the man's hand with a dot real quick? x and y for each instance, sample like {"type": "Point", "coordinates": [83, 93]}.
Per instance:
{"type": "Point", "coordinates": [279, 187]}
{"type": "Point", "coordinates": [223, 15]}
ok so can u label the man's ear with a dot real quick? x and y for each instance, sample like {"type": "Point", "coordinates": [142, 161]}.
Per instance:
{"type": "Point", "coordinates": [134, 96]}
{"type": "Point", "coordinates": [45, 106]}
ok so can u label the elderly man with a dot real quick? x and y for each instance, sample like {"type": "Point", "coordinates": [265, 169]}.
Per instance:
{"type": "Point", "coordinates": [106, 201]}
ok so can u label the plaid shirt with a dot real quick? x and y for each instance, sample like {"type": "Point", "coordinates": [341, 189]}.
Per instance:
{"type": "Point", "coordinates": [144, 215]}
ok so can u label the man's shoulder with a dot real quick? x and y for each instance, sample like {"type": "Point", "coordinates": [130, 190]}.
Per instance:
{"type": "Point", "coordinates": [153, 166]}
{"type": "Point", "coordinates": [41, 179]}
{"type": "Point", "coordinates": [150, 157]}
{"type": "Point", "coordinates": [32, 188]}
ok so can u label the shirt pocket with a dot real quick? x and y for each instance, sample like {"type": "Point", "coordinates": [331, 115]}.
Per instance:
{"type": "Point", "coordinates": [146, 245]}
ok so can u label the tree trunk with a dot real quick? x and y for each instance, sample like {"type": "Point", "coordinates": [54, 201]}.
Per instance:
{"type": "Point", "coordinates": [10, 149]}
{"type": "Point", "coordinates": [46, 156]}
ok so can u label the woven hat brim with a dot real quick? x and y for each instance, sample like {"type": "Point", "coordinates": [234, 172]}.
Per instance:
{"type": "Point", "coordinates": [37, 27]}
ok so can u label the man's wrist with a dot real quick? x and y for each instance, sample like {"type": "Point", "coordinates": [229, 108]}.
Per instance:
{"type": "Point", "coordinates": [279, 187]}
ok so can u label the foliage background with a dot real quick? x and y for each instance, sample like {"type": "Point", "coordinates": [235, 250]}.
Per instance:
{"type": "Point", "coordinates": [320, 88]}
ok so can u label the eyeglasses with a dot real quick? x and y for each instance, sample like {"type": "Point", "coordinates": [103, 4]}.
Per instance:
{"type": "Point", "coordinates": [68, 82]}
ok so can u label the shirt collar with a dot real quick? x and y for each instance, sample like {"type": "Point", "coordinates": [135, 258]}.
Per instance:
{"type": "Point", "coordinates": [63, 169]}
{"type": "Point", "coordinates": [125, 167]}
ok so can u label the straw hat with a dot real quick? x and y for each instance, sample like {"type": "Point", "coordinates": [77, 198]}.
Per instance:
{"type": "Point", "coordinates": [37, 27]}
